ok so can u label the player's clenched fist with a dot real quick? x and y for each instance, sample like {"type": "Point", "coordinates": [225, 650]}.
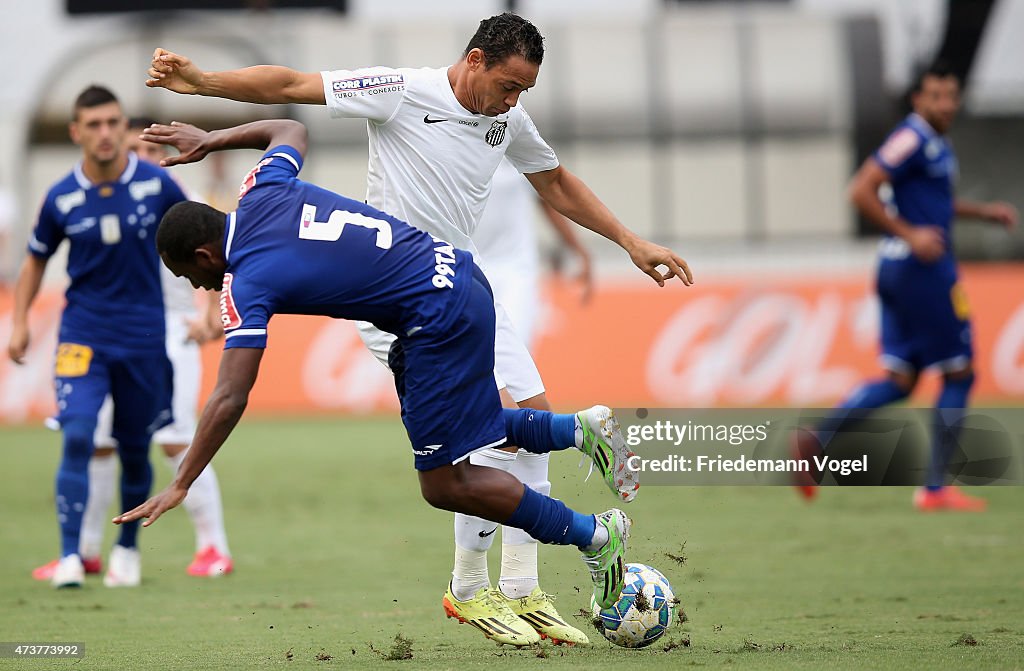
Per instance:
{"type": "Point", "coordinates": [177, 73]}
{"type": "Point", "coordinates": [18, 344]}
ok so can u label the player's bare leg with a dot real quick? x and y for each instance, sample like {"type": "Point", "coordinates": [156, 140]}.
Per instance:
{"type": "Point", "coordinates": [519, 584]}
{"type": "Point", "coordinates": [518, 591]}
{"type": "Point", "coordinates": [474, 536]}
{"type": "Point", "coordinates": [498, 496]}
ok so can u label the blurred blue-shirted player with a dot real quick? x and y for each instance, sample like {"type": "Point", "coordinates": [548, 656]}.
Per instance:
{"type": "Point", "coordinates": [925, 318]}
{"type": "Point", "coordinates": [294, 248]}
{"type": "Point", "coordinates": [111, 338]}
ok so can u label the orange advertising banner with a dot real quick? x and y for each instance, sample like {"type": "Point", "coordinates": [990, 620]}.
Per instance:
{"type": "Point", "coordinates": [801, 341]}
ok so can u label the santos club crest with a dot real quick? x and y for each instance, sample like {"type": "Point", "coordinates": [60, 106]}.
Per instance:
{"type": "Point", "coordinates": [496, 133]}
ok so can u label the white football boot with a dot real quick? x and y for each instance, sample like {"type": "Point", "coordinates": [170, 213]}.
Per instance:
{"type": "Point", "coordinates": [125, 568]}
{"type": "Point", "coordinates": [69, 572]}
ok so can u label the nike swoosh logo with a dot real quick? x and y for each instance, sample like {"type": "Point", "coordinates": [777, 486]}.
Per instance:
{"type": "Point", "coordinates": [427, 119]}
{"type": "Point", "coordinates": [485, 535]}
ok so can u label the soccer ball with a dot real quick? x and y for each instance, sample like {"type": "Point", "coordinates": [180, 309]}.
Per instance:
{"type": "Point", "coordinates": [643, 612]}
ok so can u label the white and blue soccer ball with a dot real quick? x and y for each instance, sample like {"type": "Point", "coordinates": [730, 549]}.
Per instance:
{"type": "Point", "coordinates": [644, 611]}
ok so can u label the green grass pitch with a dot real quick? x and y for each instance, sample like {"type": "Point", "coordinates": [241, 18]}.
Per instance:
{"type": "Point", "coordinates": [336, 552]}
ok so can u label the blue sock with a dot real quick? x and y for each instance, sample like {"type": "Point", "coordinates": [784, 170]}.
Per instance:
{"type": "Point", "coordinates": [868, 396]}
{"type": "Point", "coordinates": [551, 521]}
{"type": "Point", "coordinates": [539, 431]}
{"type": "Point", "coordinates": [136, 481]}
{"type": "Point", "coordinates": [949, 410]}
{"type": "Point", "coordinates": [73, 480]}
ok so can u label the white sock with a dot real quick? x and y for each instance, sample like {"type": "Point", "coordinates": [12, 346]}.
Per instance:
{"type": "Point", "coordinates": [599, 539]}
{"type": "Point", "coordinates": [204, 507]}
{"type": "Point", "coordinates": [518, 548]}
{"type": "Point", "coordinates": [474, 533]}
{"type": "Point", "coordinates": [470, 573]}
{"type": "Point", "coordinates": [474, 536]}
{"type": "Point", "coordinates": [96, 517]}
{"type": "Point", "coordinates": [518, 570]}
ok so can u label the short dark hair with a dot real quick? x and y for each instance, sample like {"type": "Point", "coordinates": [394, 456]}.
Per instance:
{"type": "Point", "coordinates": [141, 122]}
{"type": "Point", "coordinates": [507, 35]}
{"type": "Point", "coordinates": [94, 96]}
{"type": "Point", "coordinates": [940, 69]}
{"type": "Point", "coordinates": [186, 227]}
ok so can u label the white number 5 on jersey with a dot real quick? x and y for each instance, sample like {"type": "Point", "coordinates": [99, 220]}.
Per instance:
{"type": "Point", "coordinates": [331, 230]}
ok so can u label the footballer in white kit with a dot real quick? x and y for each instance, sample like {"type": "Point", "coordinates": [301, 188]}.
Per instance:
{"type": "Point", "coordinates": [443, 192]}
{"type": "Point", "coordinates": [436, 137]}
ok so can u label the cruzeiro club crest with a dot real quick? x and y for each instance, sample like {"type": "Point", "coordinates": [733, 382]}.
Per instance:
{"type": "Point", "coordinates": [496, 133]}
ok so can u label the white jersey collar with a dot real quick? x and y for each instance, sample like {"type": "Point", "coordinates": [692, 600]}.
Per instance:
{"type": "Point", "coordinates": [126, 174]}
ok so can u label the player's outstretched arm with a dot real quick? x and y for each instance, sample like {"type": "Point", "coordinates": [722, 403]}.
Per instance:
{"type": "Point", "coordinates": [568, 194]}
{"type": "Point", "coordinates": [239, 367]}
{"type": "Point", "coordinates": [265, 84]}
{"type": "Point", "coordinates": [30, 277]}
{"type": "Point", "coordinates": [998, 212]}
{"type": "Point", "coordinates": [193, 144]}
{"type": "Point", "coordinates": [926, 242]}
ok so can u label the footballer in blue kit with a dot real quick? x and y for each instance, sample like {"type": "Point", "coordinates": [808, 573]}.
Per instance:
{"type": "Point", "coordinates": [111, 337]}
{"type": "Point", "coordinates": [294, 248]}
{"type": "Point", "coordinates": [924, 317]}
{"type": "Point", "coordinates": [925, 320]}
{"type": "Point", "coordinates": [281, 259]}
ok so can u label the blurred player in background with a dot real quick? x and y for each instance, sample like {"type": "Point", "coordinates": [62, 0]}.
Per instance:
{"type": "Point", "coordinates": [437, 136]}
{"type": "Point", "coordinates": [507, 240]}
{"type": "Point", "coordinates": [187, 328]}
{"type": "Point", "coordinates": [925, 316]}
{"type": "Point", "coordinates": [111, 338]}
{"type": "Point", "coordinates": [294, 248]}
{"type": "Point", "coordinates": [219, 192]}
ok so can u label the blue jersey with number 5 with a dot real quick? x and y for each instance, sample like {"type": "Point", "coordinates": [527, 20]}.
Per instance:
{"type": "Point", "coordinates": [294, 248]}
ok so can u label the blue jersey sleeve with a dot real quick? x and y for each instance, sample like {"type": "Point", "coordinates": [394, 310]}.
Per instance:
{"type": "Point", "coordinates": [244, 312]}
{"type": "Point", "coordinates": [279, 165]}
{"type": "Point", "coordinates": [48, 232]}
{"type": "Point", "coordinates": [902, 152]}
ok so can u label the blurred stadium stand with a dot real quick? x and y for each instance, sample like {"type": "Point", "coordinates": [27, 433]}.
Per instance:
{"type": "Point", "coordinates": [720, 126]}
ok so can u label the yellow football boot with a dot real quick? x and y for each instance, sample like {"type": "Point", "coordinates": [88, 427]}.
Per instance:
{"type": "Point", "coordinates": [539, 612]}
{"type": "Point", "coordinates": [490, 613]}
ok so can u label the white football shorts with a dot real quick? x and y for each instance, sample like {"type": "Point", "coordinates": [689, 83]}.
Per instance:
{"type": "Point", "coordinates": [514, 368]}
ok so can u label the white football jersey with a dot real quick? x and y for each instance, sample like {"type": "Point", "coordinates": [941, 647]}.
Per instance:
{"type": "Point", "coordinates": [506, 234]}
{"type": "Point", "coordinates": [431, 160]}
